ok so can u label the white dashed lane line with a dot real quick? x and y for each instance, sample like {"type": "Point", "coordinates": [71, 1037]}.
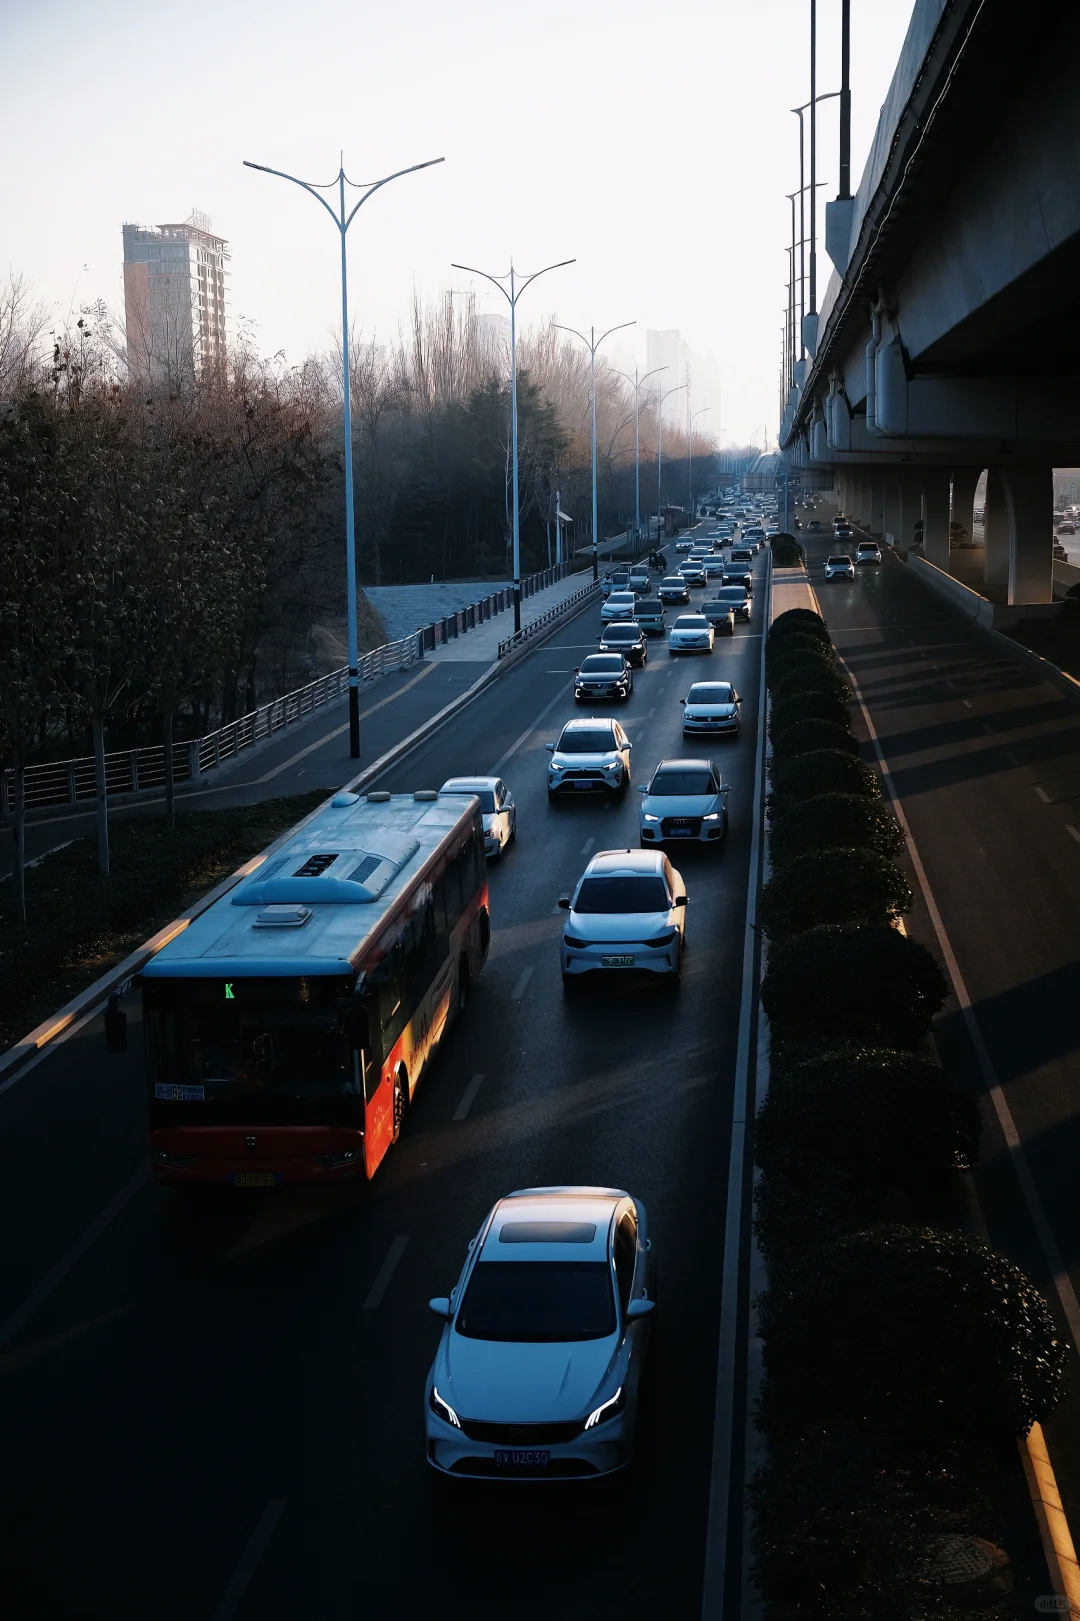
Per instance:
{"type": "Point", "coordinates": [519, 989]}
{"type": "Point", "coordinates": [468, 1097]}
{"type": "Point", "coordinates": [385, 1273]}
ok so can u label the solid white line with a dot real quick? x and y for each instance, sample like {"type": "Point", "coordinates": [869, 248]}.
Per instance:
{"type": "Point", "coordinates": [19, 1318]}
{"type": "Point", "coordinates": [559, 698]}
{"type": "Point", "coordinates": [468, 1097]}
{"type": "Point", "coordinates": [587, 846]}
{"type": "Point", "coordinates": [249, 1560]}
{"type": "Point", "coordinates": [519, 989]}
{"type": "Point", "coordinates": [1047, 1242]}
{"type": "Point", "coordinates": [717, 1528]}
{"type": "Point", "coordinates": [384, 1274]}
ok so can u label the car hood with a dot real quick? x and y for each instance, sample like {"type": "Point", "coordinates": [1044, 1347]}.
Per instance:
{"type": "Point", "coordinates": [513, 1383]}
{"type": "Point", "coordinates": [598, 678]}
{"type": "Point", "coordinates": [589, 761]}
{"type": "Point", "coordinates": [618, 926]}
{"type": "Point", "coordinates": [698, 711]}
{"type": "Point", "coordinates": [679, 804]}
{"type": "Point", "coordinates": [688, 630]}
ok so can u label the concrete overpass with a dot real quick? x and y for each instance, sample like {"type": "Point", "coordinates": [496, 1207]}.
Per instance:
{"type": "Point", "coordinates": [948, 339]}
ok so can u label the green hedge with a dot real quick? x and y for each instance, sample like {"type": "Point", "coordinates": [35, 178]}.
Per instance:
{"type": "Point", "coordinates": [801, 661]}
{"type": "Point", "coordinates": [833, 886]}
{"type": "Point", "coordinates": [822, 771]}
{"type": "Point", "coordinates": [799, 639]}
{"type": "Point", "coordinates": [811, 736]}
{"type": "Point", "coordinates": [828, 679]}
{"type": "Point", "coordinates": [797, 622]}
{"type": "Point", "coordinates": [807, 706]}
{"type": "Point", "coordinates": [843, 821]}
{"type": "Point", "coordinates": [786, 551]}
{"type": "Point", "coordinates": [852, 983]}
{"type": "Point", "coordinates": [925, 1341]}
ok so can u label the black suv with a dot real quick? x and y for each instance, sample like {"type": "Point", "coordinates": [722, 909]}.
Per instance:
{"type": "Point", "coordinates": [627, 638]}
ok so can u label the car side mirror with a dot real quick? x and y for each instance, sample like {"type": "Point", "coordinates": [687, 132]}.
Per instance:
{"type": "Point", "coordinates": [115, 1027]}
{"type": "Point", "coordinates": [564, 903]}
{"type": "Point", "coordinates": [550, 747]}
{"type": "Point", "coordinates": [639, 1308]}
{"type": "Point", "coordinates": [681, 900]}
{"type": "Point", "coordinates": [735, 698]}
{"type": "Point", "coordinates": [682, 700]}
{"type": "Point", "coordinates": [628, 745]}
{"type": "Point", "coordinates": [577, 669]}
{"type": "Point", "coordinates": [440, 1305]}
{"type": "Point", "coordinates": [643, 787]}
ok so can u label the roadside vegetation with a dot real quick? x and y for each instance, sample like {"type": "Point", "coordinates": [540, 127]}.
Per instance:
{"type": "Point", "coordinates": [80, 924]}
{"type": "Point", "coordinates": [902, 1356]}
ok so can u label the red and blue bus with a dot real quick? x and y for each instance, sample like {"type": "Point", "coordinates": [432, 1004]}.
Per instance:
{"type": "Point", "coordinates": [288, 1026]}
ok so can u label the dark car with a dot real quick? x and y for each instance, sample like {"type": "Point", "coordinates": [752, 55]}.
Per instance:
{"type": "Point", "coordinates": [739, 574]}
{"type": "Point", "coordinates": [731, 595]}
{"type": "Point", "coordinates": [673, 588]}
{"type": "Point", "coordinates": [603, 675]}
{"type": "Point", "coordinates": [628, 638]}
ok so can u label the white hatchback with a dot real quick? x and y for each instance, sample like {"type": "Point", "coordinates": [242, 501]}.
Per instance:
{"type": "Point", "coordinates": [691, 633]}
{"type": "Point", "coordinates": [627, 913]}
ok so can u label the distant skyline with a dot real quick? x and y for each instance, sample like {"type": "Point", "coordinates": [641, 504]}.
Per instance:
{"type": "Point", "coordinates": [653, 147]}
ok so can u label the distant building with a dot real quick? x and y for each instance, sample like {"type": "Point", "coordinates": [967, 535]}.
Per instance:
{"type": "Point", "coordinates": [174, 300]}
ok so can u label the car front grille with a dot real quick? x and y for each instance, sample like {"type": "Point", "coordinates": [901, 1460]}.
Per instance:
{"type": "Point", "coordinates": [682, 824]}
{"type": "Point", "coordinates": [530, 1436]}
{"type": "Point", "coordinates": [488, 1469]}
{"type": "Point", "coordinates": [573, 775]}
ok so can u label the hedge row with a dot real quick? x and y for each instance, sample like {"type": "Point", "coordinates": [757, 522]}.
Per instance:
{"type": "Point", "coordinates": [898, 1352]}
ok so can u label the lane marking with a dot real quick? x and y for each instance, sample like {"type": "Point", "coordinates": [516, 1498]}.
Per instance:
{"type": "Point", "coordinates": [967, 703]}
{"type": "Point", "coordinates": [587, 846]}
{"type": "Point", "coordinates": [742, 1113]}
{"type": "Point", "coordinates": [1050, 1513]}
{"type": "Point", "coordinates": [468, 1097]}
{"type": "Point", "coordinates": [20, 1317]}
{"type": "Point", "coordinates": [1010, 757]}
{"type": "Point", "coordinates": [328, 737]}
{"type": "Point", "coordinates": [1043, 795]}
{"type": "Point", "coordinates": [533, 726]}
{"type": "Point", "coordinates": [1047, 1242]}
{"type": "Point", "coordinates": [986, 726]}
{"type": "Point", "coordinates": [257, 1545]}
{"type": "Point", "coordinates": [519, 989]}
{"type": "Point", "coordinates": [384, 1274]}
{"type": "Point", "coordinates": [1074, 830]}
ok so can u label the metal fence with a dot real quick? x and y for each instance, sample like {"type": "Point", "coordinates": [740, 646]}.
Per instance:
{"type": "Point", "coordinates": [142, 770]}
{"type": "Point", "coordinates": [541, 622]}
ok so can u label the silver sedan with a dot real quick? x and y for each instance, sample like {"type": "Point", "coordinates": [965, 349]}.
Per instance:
{"type": "Point", "coordinates": [497, 809]}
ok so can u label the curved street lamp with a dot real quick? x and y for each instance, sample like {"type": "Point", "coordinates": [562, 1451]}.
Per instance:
{"type": "Point", "coordinates": [636, 384]}
{"type": "Point", "coordinates": [660, 450]}
{"type": "Point", "coordinates": [592, 343]}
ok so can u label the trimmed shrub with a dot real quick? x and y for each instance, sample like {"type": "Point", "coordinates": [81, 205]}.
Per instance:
{"type": "Point", "coordinates": [798, 641]}
{"type": "Point", "coordinates": [858, 1118]}
{"type": "Point", "coordinates": [836, 821]}
{"type": "Point", "coordinates": [786, 551]}
{"type": "Point", "coordinates": [828, 679]}
{"type": "Point", "coordinates": [833, 886]}
{"type": "Point", "coordinates": [807, 706]}
{"type": "Point", "coordinates": [926, 1341]}
{"type": "Point", "coordinates": [799, 622]}
{"type": "Point", "coordinates": [810, 737]}
{"type": "Point", "coordinates": [851, 982]}
{"type": "Point", "coordinates": [798, 661]}
{"type": "Point", "coordinates": [823, 771]}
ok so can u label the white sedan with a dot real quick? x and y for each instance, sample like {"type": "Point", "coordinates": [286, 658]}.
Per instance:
{"type": "Point", "coordinates": [691, 633]}
{"type": "Point", "coordinates": [620, 605]}
{"type": "Point", "coordinates": [839, 567]}
{"type": "Point", "coordinates": [685, 799]}
{"type": "Point", "coordinates": [684, 545]}
{"type": "Point", "coordinates": [627, 913]}
{"type": "Point", "coordinates": [543, 1340]}
{"type": "Point", "coordinates": [497, 809]}
{"type": "Point", "coordinates": [711, 708]}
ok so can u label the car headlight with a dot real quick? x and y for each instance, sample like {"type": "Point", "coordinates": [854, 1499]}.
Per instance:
{"type": "Point", "coordinates": [442, 1409]}
{"type": "Point", "coordinates": [555, 766]}
{"type": "Point", "coordinates": [664, 939]}
{"type": "Point", "coordinates": [572, 940]}
{"type": "Point", "coordinates": [711, 816]}
{"type": "Point", "coordinates": [608, 1409]}
{"type": "Point", "coordinates": [613, 765]}
{"type": "Point", "coordinates": [649, 817]}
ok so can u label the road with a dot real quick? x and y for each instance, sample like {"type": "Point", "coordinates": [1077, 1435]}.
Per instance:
{"type": "Point", "coordinates": [214, 1408]}
{"type": "Point", "coordinates": [984, 751]}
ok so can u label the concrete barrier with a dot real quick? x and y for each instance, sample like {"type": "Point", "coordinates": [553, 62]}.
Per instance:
{"type": "Point", "coordinates": [991, 615]}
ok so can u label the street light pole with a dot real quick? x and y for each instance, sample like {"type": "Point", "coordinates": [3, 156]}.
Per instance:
{"type": "Point", "coordinates": [693, 419]}
{"type": "Point", "coordinates": [798, 111]}
{"type": "Point", "coordinates": [511, 298]}
{"type": "Point", "coordinates": [343, 221]}
{"type": "Point", "coordinates": [592, 343]}
{"type": "Point", "coordinates": [637, 385]}
{"type": "Point", "coordinates": [660, 452]}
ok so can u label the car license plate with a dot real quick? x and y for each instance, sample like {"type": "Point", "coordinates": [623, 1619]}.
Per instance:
{"type": "Point", "coordinates": [526, 1458]}
{"type": "Point", "coordinates": [616, 962]}
{"type": "Point", "coordinates": [255, 1179]}
{"type": "Point", "coordinates": [681, 833]}
{"type": "Point", "coordinates": [583, 785]}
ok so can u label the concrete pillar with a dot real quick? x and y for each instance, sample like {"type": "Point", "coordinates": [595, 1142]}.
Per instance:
{"type": "Point", "coordinates": [875, 500]}
{"type": "Point", "coordinates": [964, 480]}
{"type": "Point", "coordinates": [996, 530]}
{"type": "Point", "coordinates": [843, 491]}
{"type": "Point", "coordinates": [891, 515]}
{"type": "Point", "coordinates": [860, 486]}
{"type": "Point", "coordinates": [1029, 496]}
{"type": "Point", "coordinates": [935, 508]}
{"type": "Point", "coordinates": [909, 485]}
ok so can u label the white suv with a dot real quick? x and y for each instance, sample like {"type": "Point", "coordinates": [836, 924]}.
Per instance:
{"type": "Point", "coordinates": [590, 755]}
{"type": "Point", "coordinates": [628, 912]}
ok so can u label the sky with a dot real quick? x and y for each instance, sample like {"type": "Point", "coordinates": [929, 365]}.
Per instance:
{"type": "Point", "coordinates": [650, 143]}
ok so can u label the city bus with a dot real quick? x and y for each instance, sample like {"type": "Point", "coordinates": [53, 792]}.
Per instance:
{"type": "Point", "coordinates": [287, 1027]}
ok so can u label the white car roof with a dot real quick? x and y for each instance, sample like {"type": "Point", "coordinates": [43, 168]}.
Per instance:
{"type": "Point", "coordinates": [593, 723]}
{"type": "Point", "coordinates": [624, 863]}
{"type": "Point", "coordinates": [577, 1208]}
{"type": "Point", "coordinates": [466, 785]}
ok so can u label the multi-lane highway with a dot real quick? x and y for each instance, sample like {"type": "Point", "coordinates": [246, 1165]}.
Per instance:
{"type": "Point", "coordinates": [984, 750]}
{"type": "Point", "coordinates": [213, 1407]}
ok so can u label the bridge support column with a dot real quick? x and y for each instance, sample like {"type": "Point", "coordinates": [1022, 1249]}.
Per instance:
{"type": "Point", "coordinates": [875, 503]}
{"type": "Point", "coordinates": [864, 500]}
{"type": "Point", "coordinates": [996, 531]}
{"type": "Point", "coordinates": [935, 510]}
{"type": "Point", "coordinates": [891, 514]}
{"type": "Point", "coordinates": [909, 485]}
{"type": "Point", "coordinates": [964, 480]}
{"type": "Point", "coordinates": [1029, 496]}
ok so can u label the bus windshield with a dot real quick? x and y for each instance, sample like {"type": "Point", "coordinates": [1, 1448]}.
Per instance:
{"type": "Point", "coordinates": [221, 1054]}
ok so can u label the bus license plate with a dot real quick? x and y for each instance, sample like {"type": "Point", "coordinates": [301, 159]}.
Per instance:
{"type": "Point", "coordinates": [524, 1459]}
{"type": "Point", "coordinates": [616, 962]}
{"type": "Point", "coordinates": [255, 1179]}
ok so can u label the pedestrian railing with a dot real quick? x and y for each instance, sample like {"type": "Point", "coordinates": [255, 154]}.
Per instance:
{"type": "Point", "coordinates": [542, 621]}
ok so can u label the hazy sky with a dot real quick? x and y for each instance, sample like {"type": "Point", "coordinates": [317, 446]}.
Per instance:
{"type": "Point", "coordinates": [652, 142]}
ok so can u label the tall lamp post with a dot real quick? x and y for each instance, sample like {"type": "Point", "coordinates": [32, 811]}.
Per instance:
{"type": "Point", "coordinates": [798, 111]}
{"type": "Point", "coordinates": [343, 221]}
{"type": "Point", "coordinates": [637, 384]}
{"type": "Point", "coordinates": [512, 297]}
{"type": "Point", "coordinates": [660, 452]}
{"type": "Point", "coordinates": [592, 343]}
{"type": "Point", "coordinates": [690, 426]}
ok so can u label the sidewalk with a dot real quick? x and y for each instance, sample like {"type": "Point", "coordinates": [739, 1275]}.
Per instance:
{"type": "Point", "coordinates": [482, 643]}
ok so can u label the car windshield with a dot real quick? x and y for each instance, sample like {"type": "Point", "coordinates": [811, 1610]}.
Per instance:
{"type": "Point", "coordinates": [670, 782]}
{"type": "Point", "coordinates": [649, 605]}
{"type": "Point", "coordinates": [623, 597]}
{"type": "Point", "coordinates": [538, 1302]}
{"type": "Point", "coordinates": [486, 796]}
{"type": "Point", "coordinates": [671, 579]}
{"type": "Point", "coordinates": [710, 692]}
{"type": "Point", "coordinates": [732, 593]}
{"type": "Point", "coordinates": [621, 633]}
{"type": "Point", "coordinates": [623, 892]}
{"type": "Point", "coordinates": [691, 622]}
{"type": "Point", "coordinates": [594, 742]}
{"type": "Point", "coordinates": [603, 664]}
{"type": "Point", "coordinates": [840, 560]}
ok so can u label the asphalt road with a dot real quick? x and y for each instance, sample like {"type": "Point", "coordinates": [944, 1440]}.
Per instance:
{"type": "Point", "coordinates": [212, 1407]}
{"type": "Point", "coordinates": [984, 750]}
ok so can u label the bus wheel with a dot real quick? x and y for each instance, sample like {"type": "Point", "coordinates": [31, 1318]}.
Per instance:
{"type": "Point", "coordinates": [401, 1100]}
{"type": "Point", "coordinates": [463, 985]}
{"type": "Point", "coordinates": [485, 934]}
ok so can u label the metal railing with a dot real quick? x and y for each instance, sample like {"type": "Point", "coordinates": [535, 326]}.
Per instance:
{"type": "Point", "coordinates": [527, 632]}
{"type": "Point", "coordinates": [142, 770]}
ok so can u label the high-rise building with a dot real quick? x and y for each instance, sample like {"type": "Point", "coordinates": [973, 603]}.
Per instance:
{"type": "Point", "coordinates": [174, 300]}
